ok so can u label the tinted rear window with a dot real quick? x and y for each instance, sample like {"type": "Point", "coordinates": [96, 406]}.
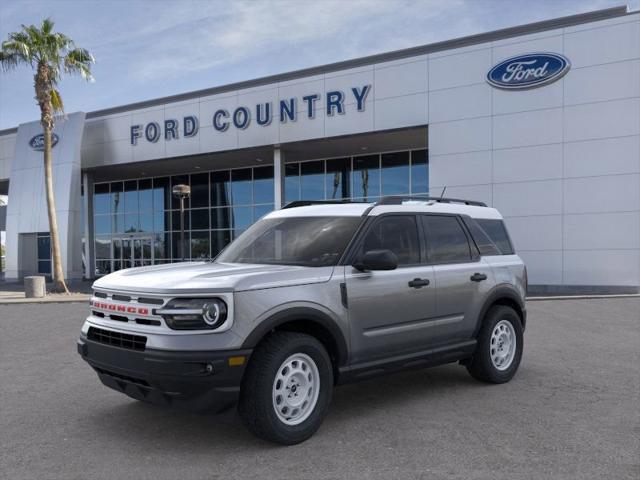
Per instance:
{"type": "Point", "coordinates": [446, 240]}
{"type": "Point", "coordinates": [497, 232]}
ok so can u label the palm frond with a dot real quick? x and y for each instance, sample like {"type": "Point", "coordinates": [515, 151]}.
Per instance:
{"type": "Point", "coordinates": [56, 101]}
{"type": "Point", "coordinates": [79, 61]}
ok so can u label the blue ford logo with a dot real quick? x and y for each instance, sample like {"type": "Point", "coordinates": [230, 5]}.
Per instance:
{"type": "Point", "coordinates": [37, 142]}
{"type": "Point", "coordinates": [528, 71]}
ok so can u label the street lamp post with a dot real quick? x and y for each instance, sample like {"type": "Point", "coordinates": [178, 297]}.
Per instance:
{"type": "Point", "coordinates": [182, 192]}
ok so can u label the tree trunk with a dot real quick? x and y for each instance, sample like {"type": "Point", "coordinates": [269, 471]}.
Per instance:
{"type": "Point", "coordinates": [43, 86]}
{"type": "Point", "coordinates": [59, 284]}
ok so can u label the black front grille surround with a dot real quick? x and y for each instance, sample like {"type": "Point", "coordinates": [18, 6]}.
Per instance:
{"type": "Point", "coordinates": [117, 339]}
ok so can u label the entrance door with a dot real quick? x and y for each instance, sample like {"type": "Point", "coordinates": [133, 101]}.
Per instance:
{"type": "Point", "coordinates": [132, 251]}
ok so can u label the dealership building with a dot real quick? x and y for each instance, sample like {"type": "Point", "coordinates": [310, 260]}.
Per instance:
{"type": "Point", "coordinates": [541, 121]}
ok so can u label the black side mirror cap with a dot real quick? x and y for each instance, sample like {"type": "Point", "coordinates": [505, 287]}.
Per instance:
{"type": "Point", "coordinates": [377, 260]}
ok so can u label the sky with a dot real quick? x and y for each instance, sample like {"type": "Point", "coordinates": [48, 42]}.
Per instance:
{"type": "Point", "coordinates": [150, 49]}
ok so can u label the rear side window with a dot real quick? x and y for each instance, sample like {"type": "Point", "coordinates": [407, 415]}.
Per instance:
{"type": "Point", "coordinates": [497, 232]}
{"type": "Point", "coordinates": [483, 242]}
{"type": "Point", "coordinates": [446, 240]}
{"type": "Point", "coordinates": [396, 233]}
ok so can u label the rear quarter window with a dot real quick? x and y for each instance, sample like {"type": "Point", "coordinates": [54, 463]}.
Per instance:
{"type": "Point", "coordinates": [497, 232]}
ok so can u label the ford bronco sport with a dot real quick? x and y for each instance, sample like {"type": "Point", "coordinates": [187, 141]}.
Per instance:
{"type": "Point", "coordinates": [309, 297]}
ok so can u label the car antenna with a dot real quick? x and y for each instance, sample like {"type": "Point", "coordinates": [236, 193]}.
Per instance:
{"type": "Point", "coordinates": [442, 194]}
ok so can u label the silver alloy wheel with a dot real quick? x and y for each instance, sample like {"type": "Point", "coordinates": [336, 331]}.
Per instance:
{"type": "Point", "coordinates": [503, 345]}
{"type": "Point", "coordinates": [296, 389]}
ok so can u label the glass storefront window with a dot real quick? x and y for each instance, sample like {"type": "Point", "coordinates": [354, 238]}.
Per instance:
{"type": "Point", "coordinates": [420, 171]}
{"type": "Point", "coordinates": [395, 173]}
{"type": "Point", "coordinates": [312, 180]}
{"type": "Point", "coordinates": [220, 189]}
{"type": "Point", "coordinates": [101, 199]}
{"type": "Point", "coordinates": [241, 187]}
{"type": "Point", "coordinates": [366, 177]}
{"type": "Point", "coordinates": [337, 178]}
{"type": "Point", "coordinates": [200, 190]}
{"type": "Point", "coordinates": [225, 203]}
{"type": "Point", "coordinates": [263, 185]}
{"type": "Point", "coordinates": [292, 182]}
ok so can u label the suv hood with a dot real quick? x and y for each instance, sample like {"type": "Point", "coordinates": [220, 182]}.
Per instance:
{"type": "Point", "coordinates": [207, 277]}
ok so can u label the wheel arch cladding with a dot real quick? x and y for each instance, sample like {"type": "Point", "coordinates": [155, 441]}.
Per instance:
{"type": "Point", "coordinates": [503, 295]}
{"type": "Point", "coordinates": [309, 321]}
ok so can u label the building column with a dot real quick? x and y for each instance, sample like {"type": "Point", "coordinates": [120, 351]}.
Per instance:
{"type": "Point", "coordinates": [87, 221]}
{"type": "Point", "coordinates": [278, 178]}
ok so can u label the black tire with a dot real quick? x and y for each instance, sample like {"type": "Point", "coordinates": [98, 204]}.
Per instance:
{"type": "Point", "coordinates": [256, 405]}
{"type": "Point", "coordinates": [481, 366]}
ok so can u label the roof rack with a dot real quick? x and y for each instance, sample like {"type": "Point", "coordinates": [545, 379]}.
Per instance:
{"type": "Point", "coordinates": [306, 203]}
{"type": "Point", "coordinates": [399, 199]}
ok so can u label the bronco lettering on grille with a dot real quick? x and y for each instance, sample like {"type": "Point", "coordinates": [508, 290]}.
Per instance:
{"type": "Point", "coordinates": [110, 307]}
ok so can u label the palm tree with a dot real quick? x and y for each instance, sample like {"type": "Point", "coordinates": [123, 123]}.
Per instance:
{"type": "Point", "coordinates": [50, 55]}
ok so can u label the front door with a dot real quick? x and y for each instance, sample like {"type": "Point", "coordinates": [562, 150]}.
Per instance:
{"type": "Point", "coordinates": [132, 251]}
{"type": "Point", "coordinates": [390, 311]}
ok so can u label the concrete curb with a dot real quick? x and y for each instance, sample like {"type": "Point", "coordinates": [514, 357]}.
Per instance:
{"type": "Point", "coordinates": [56, 299]}
{"type": "Point", "coordinates": [581, 297]}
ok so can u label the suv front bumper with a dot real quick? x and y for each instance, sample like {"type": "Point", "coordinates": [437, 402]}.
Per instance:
{"type": "Point", "coordinates": [196, 381]}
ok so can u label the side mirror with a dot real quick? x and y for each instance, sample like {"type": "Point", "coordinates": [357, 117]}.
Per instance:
{"type": "Point", "coordinates": [377, 260]}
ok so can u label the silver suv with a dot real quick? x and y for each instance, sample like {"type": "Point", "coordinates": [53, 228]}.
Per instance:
{"type": "Point", "coordinates": [311, 296]}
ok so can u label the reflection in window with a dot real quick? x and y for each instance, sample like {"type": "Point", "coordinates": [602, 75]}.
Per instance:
{"type": "Point", "coordinates": [263, 185]}
{"type": "Point", "coordinates": [292, 182]}
{"type": "Point", "coordinates": [200, 190]}
{"type": "Point", "coordinates": [366, 177]}
{"type": "Point", "coordinates": [200, 219]}
{"type": "Point", "coordinates": [220, 218]}
{"type": "Point", "coordinates": [337, 179]}
{"type": "Point", "coordinates": [242, 217]}
{"type": "Point", "coordinates": [395, 173]}
{"type": "Point", "coordinates": [220, 189]}
{"type": "Point", "coordinates": [199, 245]}
{"type": "Point", "coordinates": [241, 186]}
{"type": "Point", "coordinates": [101, 198]}
{"type": "Point", "coordinates": [161, 194]}
{"type": "Point", "coordinates": [312, 180]}
{"type": "Point", "coordinates": [420, 171]}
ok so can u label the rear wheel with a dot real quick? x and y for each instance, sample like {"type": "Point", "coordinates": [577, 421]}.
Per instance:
{"type": "Point", "coordinates": [287, 388]}
{"type": "Point", "coordinates": [499, 349]}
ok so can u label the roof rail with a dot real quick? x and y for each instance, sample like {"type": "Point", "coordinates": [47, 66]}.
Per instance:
{"type": "Point", "coordinates": [306, 203]}
{"type": "Point", "coordinates": [399, 199]}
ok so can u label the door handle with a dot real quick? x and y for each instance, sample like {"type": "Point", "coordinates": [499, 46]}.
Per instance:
{"type": "Point", "coordinates": [478, 277]}
{"type": "Point", "coordinates": [419, 282]}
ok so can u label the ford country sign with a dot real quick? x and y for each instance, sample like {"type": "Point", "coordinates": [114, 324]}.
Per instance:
{"type": "Point", "coordinates": [528, 71]}
{"type": "Point", "coordinates": [37, 142]}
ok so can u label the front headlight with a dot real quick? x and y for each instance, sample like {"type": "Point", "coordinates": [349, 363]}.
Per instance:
{"type": "Point", "coordinates": [194, 313]}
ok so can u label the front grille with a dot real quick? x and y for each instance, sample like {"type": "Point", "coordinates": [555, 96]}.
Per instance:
{"type": "Point", "coordinates": [126, 378]}
{"type": "Point", "coordinates": [117, 339]}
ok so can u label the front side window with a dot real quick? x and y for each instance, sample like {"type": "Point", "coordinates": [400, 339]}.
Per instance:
{"type": "Point", "coordinates": [397, 233]}
{"type": "Point", "coordinates": [446, 240]}
{"type": "Point", "coordinates": [303, 241]}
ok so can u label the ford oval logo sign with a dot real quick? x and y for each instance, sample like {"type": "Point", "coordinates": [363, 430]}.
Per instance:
{"type": "Point", "coordinates": [37, 142]}
{"type": "Point", "coordinates": [528, 71]}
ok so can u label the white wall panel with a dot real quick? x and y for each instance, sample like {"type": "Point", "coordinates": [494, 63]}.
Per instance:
{"type": "Point", "coordinates": [117, 127]}
{"type": "Point", "coordinates": [459, 103]}
{"type": "Point", "coordinates": [601, 120]}
{"type": "Point", "coordinates": [460, 136]}
{"type": "Point", "coordinates": [527, 128]}
{"type": "Point", "coordinates": [602, 82]}
{"type": "Point", "coordinates": [472, 168]}
{"type": "Point", "coordinates": [212, 140]}
{"type": "Point", "coordinates": [549, 96]}
{"type": "Point", "coordinates": [456, 70]}
{"type": "Point", "coordinates": [616, 193]}
{"type": "Point", "coordinates": [351, 122]}
{"type": "Point", "coordinates": [602, 231]}
{"type": "Point", "coordinates": [547, 228]}
{"type": "Point", "coordinates": [540, 162]}
{"type": "Point", "coordinates": [608, 156]}
{"type": "Point", "coordinates": [303, 129]}
{"type": "Point", "coordinates": [543, 267]}
{"type": "Point", "coordinates": [602, 267]}
{"type": "Point", "coordinates": [603, 45]}
{"type": "Point", "coordinates": [528, 198]}
{"type": "Point", "coordinates": [345, 82]}
{"type": "Point", "coordinates": [398, 112]}
{"type": "Point", "coordinates": [403, 79]}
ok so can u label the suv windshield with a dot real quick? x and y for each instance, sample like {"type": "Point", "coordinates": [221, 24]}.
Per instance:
{"type": "Point", "coordinates": [304, 241]}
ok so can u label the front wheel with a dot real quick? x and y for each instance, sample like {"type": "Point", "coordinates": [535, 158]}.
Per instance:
{"type": "Point", "coordinates": [499, 347]}
{"type": "Point", "coordinates": [287, 388]}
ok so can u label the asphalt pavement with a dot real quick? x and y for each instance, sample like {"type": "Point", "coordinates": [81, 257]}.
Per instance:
{"type": "Point", "coordinates": [571, 412]}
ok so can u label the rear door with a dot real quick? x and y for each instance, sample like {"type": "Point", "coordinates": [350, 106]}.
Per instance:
{"type": "Point", "coordinates": [462, 279]}
{"type": "Point", "coordinates": [389, 311]}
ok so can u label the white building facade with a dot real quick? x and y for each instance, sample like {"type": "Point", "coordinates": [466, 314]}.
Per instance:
{"type": "Point", "coordinates": [541, 121]}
